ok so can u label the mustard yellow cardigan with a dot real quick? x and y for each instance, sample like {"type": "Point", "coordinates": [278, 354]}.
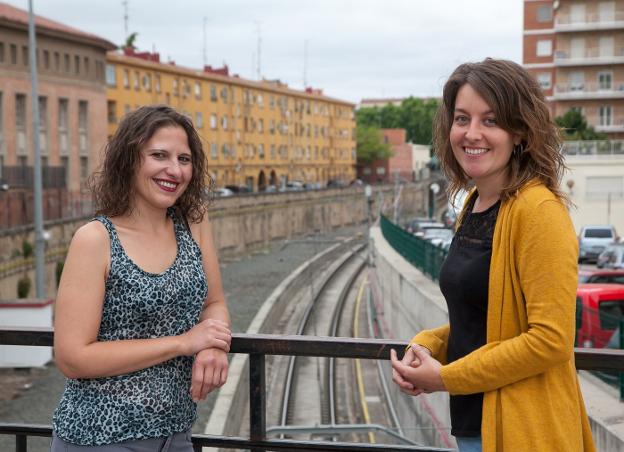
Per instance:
{"type": "Point", "coordinates": [532, 400]}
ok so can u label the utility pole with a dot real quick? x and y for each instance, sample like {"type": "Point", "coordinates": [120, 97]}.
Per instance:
{"type": "Point", "coordinates": [204, 50]}
{"type": "Point", "coordinates": [259, 50]}
{"type": "Point", "coordinates": [39, 240]}
{"type": "Point", "coordinates": [305, 64]}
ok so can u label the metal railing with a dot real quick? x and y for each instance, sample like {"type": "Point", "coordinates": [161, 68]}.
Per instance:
{"type": "Point", "coordinates": [594, 148]}
{"type": "Point", "coordinates": [257, 346]}
{"type": "Point", "coordinates": [421, 253]}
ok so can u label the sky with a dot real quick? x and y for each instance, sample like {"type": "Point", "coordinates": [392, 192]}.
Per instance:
{"type": "Point", "coordinates": [355, 48]}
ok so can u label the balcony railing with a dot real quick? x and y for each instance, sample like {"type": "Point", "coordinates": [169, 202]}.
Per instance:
{"type": "Point", "coordinates": [594, 148]}
{"type": "Point", "coordinates": [587, 22]}
{"type": "Point", "coordinates": [589, 57]}
{"type": "Point", "coordinates": [572, 91]}
{"type": "Point", "coordinates": [257, 346]}
{"type": "Point", "coordinates": [22, 176]}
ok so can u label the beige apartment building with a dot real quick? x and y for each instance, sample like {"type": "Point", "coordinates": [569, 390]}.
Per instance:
{"type": "Point", "coordinates": [575, 49]}
{"type": "Point", "coordinates": [72, 101]}
{"type": "Point", "coordinates": [255, 133]}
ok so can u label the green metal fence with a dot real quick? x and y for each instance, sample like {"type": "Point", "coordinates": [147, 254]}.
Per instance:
{"type": "Point", "coordinates": [422, 254]}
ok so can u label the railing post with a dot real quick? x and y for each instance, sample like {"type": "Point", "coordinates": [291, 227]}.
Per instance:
{"type": "Point", "coordinates": [20, 443]}
{"type": "Point", "coordinates": [257, 398]}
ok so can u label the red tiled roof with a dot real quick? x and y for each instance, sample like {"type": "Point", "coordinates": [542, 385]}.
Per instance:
{"type": "Point", "coordinates": [20, 16]}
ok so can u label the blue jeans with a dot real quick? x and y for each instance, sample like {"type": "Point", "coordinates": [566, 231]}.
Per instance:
{"type": "Point", "coordinates": [468, 443]}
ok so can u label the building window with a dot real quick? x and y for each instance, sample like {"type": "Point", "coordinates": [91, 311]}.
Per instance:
{"type": "Point", "coordinates": [20, 123]}
{"type": "Point", "coordinates": [1, 52]}
{"type": "Point", "coordinates": [224, 122]}
{"type": "Point", "coordinates": [544, 47]}
{"type": "Point", "coordinates": [25, 55]}
{"type": "Point", "coordinates": [544, 13]}
{"type": "Point", "coordinates": [76, 64]}
{"type": "Point", "coordinates": [136, 81]}
{"type": "Point", "coordinates": [157, 82]}
{"type": "Point", "coordinates": [112, 112]}
{"type": "Point", "coordinates": [186, 88]}
{"type": "Point", "coordinates": [63, 126]}
{"type": "Point", "coordinates": [261, 151]}
{"type": "Point", "coordinates": [545, 80]}
{"type": "Point", "coordinates": [214, 150]}
{"type": "Point", "coordinates": [198, 90]}
{"type": "Point", "coordinates": [605, 115]}
{"type": "Point", "coordinates": [46, 59]}
{"type": "Point", "coordinates": [605, 81]}
{"type": "Point", "coordinates": [57, 62]}
{"type": "Point", "coordinates": [213, 121]}
{"type": "Point", "coordinates": [111, 79]}
{"type": "Point", "coordinates": [199, 120]}
{"type": "Point", "coordinates": [224, 94]}
{"type": "Point", "coordinates": [213, 93]}
{"type": "Point", "coordinates": [576, 81]}
{"type": "Point", "coordinates": [86, 64]}
{"type": "Point", "coordinates": [126, 79]}
{"type": "Point", "coordinates": [84, 167]}
{"type": "Point", "coordinates": [602, 187]}
{"type": "Point", "coordinates": [147, 82]}
{"type": "Point", "coordinates": [13, 54]}
{"type": "Point", "coordinates": [83, 127]}
{"type": "Point", "coordinates": [175, 87]}
{"type": "Point", "coordinates": [43, 124]}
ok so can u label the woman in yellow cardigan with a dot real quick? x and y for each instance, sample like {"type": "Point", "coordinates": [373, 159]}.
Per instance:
{"type": "Point", "coordinates": [506, 357]}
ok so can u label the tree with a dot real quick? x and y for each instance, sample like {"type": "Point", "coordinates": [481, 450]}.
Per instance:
{"type": "Point", "coordinates": [414, 115]}
{"type": "Point", "coordinates": [129, 44]}
{"type": "Point", "coordinates": [574, 127]}
{"type": "Point", "coordinates": [370, 145]}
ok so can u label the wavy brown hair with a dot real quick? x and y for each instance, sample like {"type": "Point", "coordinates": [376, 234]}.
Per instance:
{"type": "Point", "coordinates": [520, 109]}
{"type": "Point", "coordinates": [113, 184]}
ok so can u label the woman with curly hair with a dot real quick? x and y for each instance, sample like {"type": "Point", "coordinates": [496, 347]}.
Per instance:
{"type": "Point", "coordinates": [506, 357]}
{"type": "Point", "coordinates": [141, 325]}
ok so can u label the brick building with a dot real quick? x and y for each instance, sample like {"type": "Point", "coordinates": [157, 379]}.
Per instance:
{"type": "Point", "coordinates": [256, 133]}
{"type": "Point", "coordinates": [575, 49]}
{"type": "Point", "coordinates": [397, 167]}
{"type": "Point", "coordinates": [72, 101]}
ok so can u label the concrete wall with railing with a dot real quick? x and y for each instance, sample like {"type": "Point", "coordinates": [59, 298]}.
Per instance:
{"type": "Point", "coordinates": [406, 302]}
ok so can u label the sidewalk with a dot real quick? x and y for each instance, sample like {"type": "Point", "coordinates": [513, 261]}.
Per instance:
{"type": "Point", "coordinates": [605, 411]}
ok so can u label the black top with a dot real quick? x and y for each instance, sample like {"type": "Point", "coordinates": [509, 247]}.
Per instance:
{"type": "Point", "coordinates": [464, 278]}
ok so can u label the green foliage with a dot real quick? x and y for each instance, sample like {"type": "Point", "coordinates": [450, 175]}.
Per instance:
{"type": "Point", "coordinates": [27, 249]}
{"type": "Point", "coordinates": [574, 127]}
{"type": "Point", "coordinates": [58, 271]}
{"type": "Point", "coordinates": [370, 145]}
{"type": "Point", "coordinates": [23, 287]}
{"type": "Point", "coordinates": [129, 44]}
{"type": "Point", "coordinates": [414, 115]}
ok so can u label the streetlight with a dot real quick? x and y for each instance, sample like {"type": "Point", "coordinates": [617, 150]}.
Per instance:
{"type": "Point", "coordinates": [434, 188]}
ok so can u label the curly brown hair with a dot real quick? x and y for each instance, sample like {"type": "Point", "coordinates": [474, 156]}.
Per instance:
{"type": "Point", "coordinates": [112, 185]}
{"type": "Point", "coordinates": [520, 109]}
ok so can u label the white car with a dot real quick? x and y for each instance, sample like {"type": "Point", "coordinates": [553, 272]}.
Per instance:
{"type": "Point", "coordinates": [223, 192]}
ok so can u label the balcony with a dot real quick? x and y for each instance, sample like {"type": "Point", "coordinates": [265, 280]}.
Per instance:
{"type": "Point", "coordinates": [587, 91]}
{"type": "Point", "coordinates": [589, 57]}
{"type": "Point", "coordinates": [565, 23]}
{"type": "Point", "coordinates": [594, 149]}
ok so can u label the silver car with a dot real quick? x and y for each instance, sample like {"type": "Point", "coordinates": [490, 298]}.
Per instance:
{"type": "Point", "coordinates": [594, 239]}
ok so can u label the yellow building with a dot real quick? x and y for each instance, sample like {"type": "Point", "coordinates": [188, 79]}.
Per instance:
{"type": "Point", "coordinates": [255, 133]}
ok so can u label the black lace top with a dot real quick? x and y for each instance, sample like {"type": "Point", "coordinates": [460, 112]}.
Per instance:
{"type": "Point", "coordinates": [464, 283]}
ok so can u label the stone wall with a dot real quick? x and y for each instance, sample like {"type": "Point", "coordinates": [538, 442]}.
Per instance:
{"type": "Point", "coordinates": [239, 223]}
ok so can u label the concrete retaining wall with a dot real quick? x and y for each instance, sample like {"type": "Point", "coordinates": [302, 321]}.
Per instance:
{"type": "Point", "coordinates": [239, 223]}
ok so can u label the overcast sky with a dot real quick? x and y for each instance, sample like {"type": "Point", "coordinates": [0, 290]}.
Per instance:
{"type": "Point", "coordinates": [356, 48]}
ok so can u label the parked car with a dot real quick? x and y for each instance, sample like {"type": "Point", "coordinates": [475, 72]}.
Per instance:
{"type": "Point", "coordinates": [611, 257]}
{"type": "Point", "coordinates": [239, 188]}
{"type": "Point", "coordinates": [416, 224]}
{"type": "Point", "coordinates": [599, 309]}
{"type": "Point", "coordinates": [293, 185]}
{"type": "Point", "coordinates": [605, 276]}
{"type": "Point", "coordinates": [438, 236]}
{"type": "Point", "coordinates": [222, 192]}
{"type": "Point", "coordinates": [594, 239]}
{"type": "Point", "coordinates": [270, 189]}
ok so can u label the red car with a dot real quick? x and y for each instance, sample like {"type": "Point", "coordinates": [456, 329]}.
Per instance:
{"type": "Point", "coordinates": [599, 310]}
{"type": "Point", "coordinates": [601, 276]}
